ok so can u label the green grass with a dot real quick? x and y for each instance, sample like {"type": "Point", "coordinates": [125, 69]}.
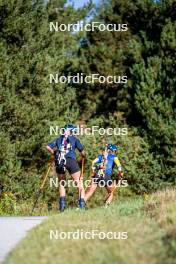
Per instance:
{"type": "Point", "coordinates": [149, 222]}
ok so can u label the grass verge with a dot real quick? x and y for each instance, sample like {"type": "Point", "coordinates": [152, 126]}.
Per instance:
{"type": "Point", "coordinates": [149, 223]}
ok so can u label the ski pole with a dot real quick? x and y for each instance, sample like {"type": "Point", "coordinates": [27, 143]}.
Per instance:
{"type": "Point", "coordinates": [82, 169]}
{"type": "Point", "coordinates": [41, 188]}
{"type": "Point", "coordinates": [81, 178]}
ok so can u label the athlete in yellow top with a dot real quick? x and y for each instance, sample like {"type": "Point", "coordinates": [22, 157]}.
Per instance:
{"type": "Point", "coordinates": [102, 168]}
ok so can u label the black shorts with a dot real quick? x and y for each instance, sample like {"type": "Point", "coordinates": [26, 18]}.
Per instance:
{"type": "Point", "coordinates": [71, 166]}
{"type": "Point", "coordinates": [102, 181]}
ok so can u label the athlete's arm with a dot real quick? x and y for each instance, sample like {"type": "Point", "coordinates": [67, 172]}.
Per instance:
{"type": "Point", "coordinates": [117, 162]}
{"type": "Point", "coordinates": [83, 153]}
{"type": "Point", "coordinates": [80, 147]}
{"type": "Point", "coordinates": [94, 162]}
{"type": "Point", "coordinates": [51, 147]}
{"type": "Point", "coordinates": [51, 151]}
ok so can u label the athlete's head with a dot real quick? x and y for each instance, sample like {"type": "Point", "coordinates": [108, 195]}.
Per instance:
{"type": "Point", "coordinates": [112, 148]}
{"type": "Point", "coordinates": [70, 129]}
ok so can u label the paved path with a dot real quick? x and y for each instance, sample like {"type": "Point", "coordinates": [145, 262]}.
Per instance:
{"type": "Point", "coordinates": [13, 229]}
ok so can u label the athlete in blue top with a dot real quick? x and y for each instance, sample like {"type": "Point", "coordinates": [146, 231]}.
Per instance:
{"type": "Point", "coordinates": [63, 150]}
{"type": "Point", "coordinates": [102, 168]}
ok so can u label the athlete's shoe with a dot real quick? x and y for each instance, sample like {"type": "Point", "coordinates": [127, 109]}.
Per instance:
{"type": "Point", "coordinates": [61, 204]}
{"type": "Point", "coordinates": [81, 203]}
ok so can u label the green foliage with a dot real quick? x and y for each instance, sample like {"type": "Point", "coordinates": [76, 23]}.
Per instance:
{"type": "Point", "coordinates": [146, 54]}
{"type": "Point", "coordinates": [29, 104]}
{"type": "Point", "coordinates": [145, 105]}
{"type": "Point", "coordinates": [7, 204]}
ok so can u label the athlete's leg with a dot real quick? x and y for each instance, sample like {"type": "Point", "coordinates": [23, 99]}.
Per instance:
{"type": "Point", "coordinates": [62, 184]}
{"type": "Point", "coordinates": [79, 183]}
{"type": "Point", "coordinates": [110, 190]}
{"type": "Point", "coordinates": [62, 192]}
{"type": "Point", "coordinates": [74, 170]}
{"type": "Point", "coordinates": [90, 191]}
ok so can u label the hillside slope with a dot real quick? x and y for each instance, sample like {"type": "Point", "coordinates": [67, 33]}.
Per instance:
{"type": "Point", "coordinates": [149, 223]}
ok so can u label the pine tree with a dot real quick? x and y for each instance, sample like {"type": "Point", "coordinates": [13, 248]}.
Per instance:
{"type": "Point", "coordinates": [146, 54]}
{"type": "Point", "coordinates": [29, 103]}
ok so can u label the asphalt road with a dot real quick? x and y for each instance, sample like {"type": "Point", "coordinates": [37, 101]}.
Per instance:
{"type": "Point", "coordinates": [13, 229]}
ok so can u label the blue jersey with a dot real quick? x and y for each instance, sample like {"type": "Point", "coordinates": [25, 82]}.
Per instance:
{"type": "Point", "coordinates": [110, 161]}
{"type": "Point", "coordinates": [72, 144]}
